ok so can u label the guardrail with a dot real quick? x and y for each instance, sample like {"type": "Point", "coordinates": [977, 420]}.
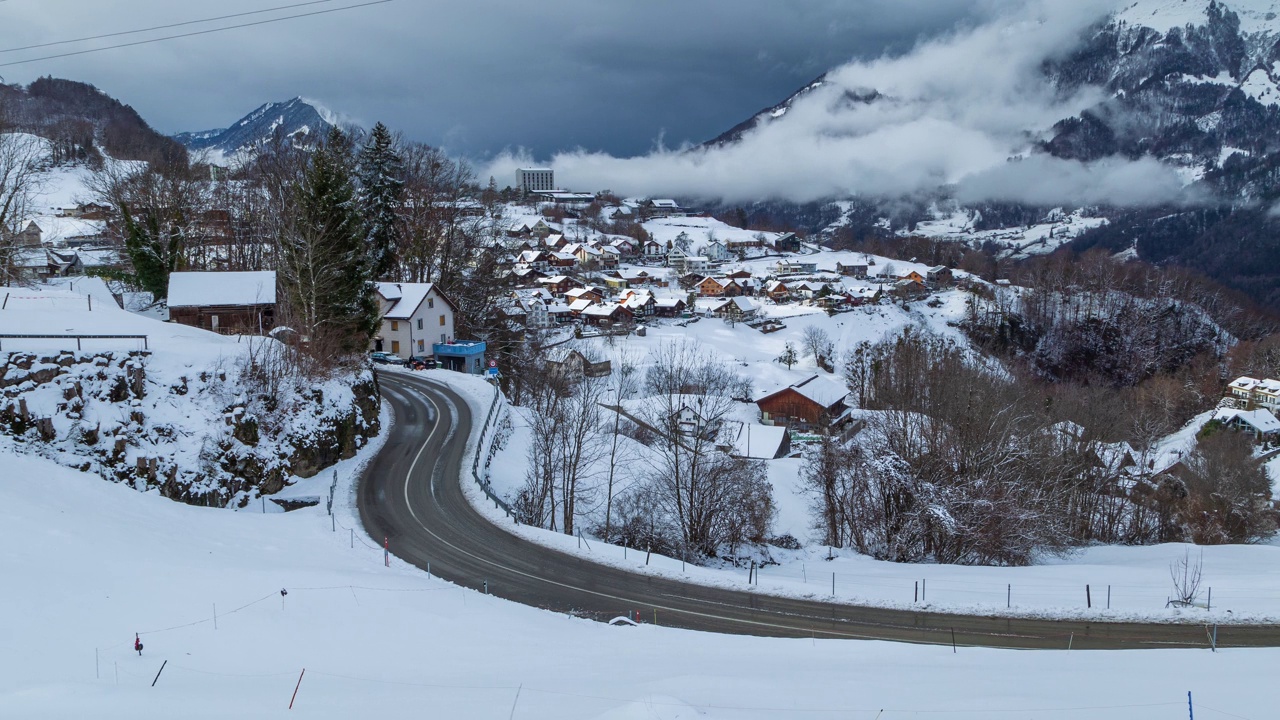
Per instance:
{"type": "Point", "coordinates": [78, 338]}
{"type": "Point", "coordinates": [490, 422]}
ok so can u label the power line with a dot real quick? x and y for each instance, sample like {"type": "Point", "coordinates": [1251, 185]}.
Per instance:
{"type": "Point", "coordinates": [194, 34]}
{"type": "Point", "coordinates": [165, 27]}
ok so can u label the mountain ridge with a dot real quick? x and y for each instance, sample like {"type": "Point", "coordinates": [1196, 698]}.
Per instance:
{"type": "Point", "coordinates": [297, 121]}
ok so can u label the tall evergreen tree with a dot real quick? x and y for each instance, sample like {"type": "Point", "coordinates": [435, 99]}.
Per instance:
{"type": "Point", "coordinates": [326, 272]}
{"type": "Point", "coordinates": [154, 251]}
{"type": "Point", "coordinates": [381, 175]}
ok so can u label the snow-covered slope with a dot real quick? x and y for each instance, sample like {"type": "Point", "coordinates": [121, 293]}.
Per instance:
{"type": "Point", "coordinates": [88, 564]}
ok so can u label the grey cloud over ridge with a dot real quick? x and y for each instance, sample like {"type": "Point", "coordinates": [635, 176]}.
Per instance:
{"type": "Point", "coordinates": [480, 75]}
{"type": "Point", "coordinates": [953, 112]}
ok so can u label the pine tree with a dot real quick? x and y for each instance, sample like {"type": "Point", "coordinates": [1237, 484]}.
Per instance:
{"type": "Point", "coordinates": [326, 272]}
{"type": "Point", "coordinates": [153, 251]}
{"type": "Point", "coordinates": [381, 176]}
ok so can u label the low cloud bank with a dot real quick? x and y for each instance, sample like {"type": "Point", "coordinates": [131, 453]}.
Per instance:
{"type": "Point", "coordinates": [953, 112]}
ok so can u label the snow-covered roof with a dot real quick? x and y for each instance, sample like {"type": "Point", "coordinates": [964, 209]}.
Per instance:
{"type": "Point", "coordinates": [406, 296]}
{"type": "Point", "coordinates": [206, 289]}
{"type": "Point", "coordinates": [761, 442]}
{"type": "Point", "coordinates": [1261, 420]}
{"type": "Point", "coordinates": [57, 229]}
{"type": "Point", "coordinates": [601, 310]}
{"type": "Point", "coordinates": [818, 389]}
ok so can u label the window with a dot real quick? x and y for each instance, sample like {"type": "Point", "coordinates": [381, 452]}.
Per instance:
{"type": "Point", "coordinates": [419, 346]}
{"type": "Point", "coordinates": [442, 340]}
{"type": "Point", "coordinates": [441, 321]}
{"type": "Point", "coordinates": [431, 302]}
{"type": "Point", "coordinates": [394, 326]}
{"type": "Point", "coordinates": [419, 323]}
{"type": "Point", "coordinates": [395, 347]}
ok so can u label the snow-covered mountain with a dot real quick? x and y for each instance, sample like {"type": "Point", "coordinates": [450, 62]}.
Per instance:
{"type": "Point", "coordinates": [1157, 127]}
{"type": "Point", "coordinates": [299, 121]}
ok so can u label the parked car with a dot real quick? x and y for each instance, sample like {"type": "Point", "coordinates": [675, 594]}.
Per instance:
{"type": "Point", "coordinates": [422, 362]}
{"type": "Point", "coordinates": [386, 358]}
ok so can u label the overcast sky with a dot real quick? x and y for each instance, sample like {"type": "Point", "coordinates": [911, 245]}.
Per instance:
{"type": "Point", "coordinates": [480, 76]}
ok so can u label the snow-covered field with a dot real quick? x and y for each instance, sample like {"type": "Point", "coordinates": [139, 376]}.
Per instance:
{"type": "Point", "coordinates": [86, 564]}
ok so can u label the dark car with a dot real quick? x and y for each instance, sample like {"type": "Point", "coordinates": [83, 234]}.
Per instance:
{"type": "Point", "coordinates": [386, 358]}
{"type": "Point", "coordinates": [422, 362]}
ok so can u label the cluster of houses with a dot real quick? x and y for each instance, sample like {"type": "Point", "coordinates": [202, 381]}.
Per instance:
{"type": "Point", "coordinates": [1251, 406]}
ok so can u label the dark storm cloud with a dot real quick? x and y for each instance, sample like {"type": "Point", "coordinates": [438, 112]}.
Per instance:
{"type": "Point", "coordinates": [483, 75]}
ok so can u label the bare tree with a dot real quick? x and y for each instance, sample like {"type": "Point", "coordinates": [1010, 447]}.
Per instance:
{"type": "Point", "coordinates": [22, 159]}
{"type": "Point", "coordinates": [1186, 575]}
{"type": "Point", "coordinates": [817, 344]}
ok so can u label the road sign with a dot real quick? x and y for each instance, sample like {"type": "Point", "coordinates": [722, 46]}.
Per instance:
{"type": "Point", "coordinates": [493, 363]}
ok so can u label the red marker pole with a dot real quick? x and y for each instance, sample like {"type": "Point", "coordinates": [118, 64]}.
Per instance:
{"type": "Point", "coordinates": [386, 550]}
{"type": "Point", "coordinates": [295, 688]}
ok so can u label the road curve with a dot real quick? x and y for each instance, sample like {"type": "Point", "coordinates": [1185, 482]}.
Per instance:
{"type": "Point", "coordinates": [411, 494]}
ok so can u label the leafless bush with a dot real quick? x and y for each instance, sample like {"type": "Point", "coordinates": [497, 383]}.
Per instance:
{"type": "Point", "coordinates": [1186, 574]}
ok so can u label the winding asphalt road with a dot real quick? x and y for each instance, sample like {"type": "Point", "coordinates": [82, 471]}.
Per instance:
{"type": "Point", "coordinates": [411, 494]}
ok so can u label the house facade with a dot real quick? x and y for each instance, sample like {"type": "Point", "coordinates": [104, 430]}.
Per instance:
{"type": "Point", "coordinates": [415, 317]}
{"type": "Point", "coordinates": [814, 404]}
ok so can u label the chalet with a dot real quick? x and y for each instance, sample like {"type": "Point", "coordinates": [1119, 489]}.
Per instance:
{"type": "Point", "coordinates": [777, 291]}
{"type": "Point", "coordinates": [557, 285]}
{"type": "Point", "coordinates": [738, 309]}
{"type": "Point", "coordinates": [559, 313]}
{"type": "Point", "coordinates": [670, 307]}
{"type": "Point", "coordinates": [653, 250]}
{"type": "Point", "coordinates": [641, 304]}
{"type": "Point", "coordinates": [854, 270]}
{"type": "Point", "coordinates": [573, 364]}
{"type": "Point", "coordinates": [733, 288]}
{"type": "Point", "coordinates": [662, 207]}
{"type": "Point", "coordinates": [231, 303]}
{"type": "Point", "coordinates": [710, 287]}
{"type": "Point", "coordinates": [534, 260]}
{"type": "Point", "coordinates": [607, 315]}
{"type": "Point", "coordinates": [814, 404]}
{"type": "Point", "coordinates": [561, 261]}
{"type": "Point", "coordinates": [577, 307]}
{"type": "Point", "coordinates": [862, 295]}
{"type": "Point", "coordinates": [415, 318]}
{"type": "Point", "coordinates": [584, 293]}
{"type": "Point", "coordinates": [914, 277]}
{"type": "Point", "coordinates": [527, 276]}
{"type": "Point", "coordinates": [939, 276]}
{"type": "Point", "coordinates": [616, 283]}
{"type": "Point", "coordinates": [1262, 424]}
{"type": "Point", "coordinates": [675, 259]}
{"type": "Point", "coordinates": [909, 289]}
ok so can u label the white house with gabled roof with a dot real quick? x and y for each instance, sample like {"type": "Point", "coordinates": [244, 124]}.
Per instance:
{"type": "Point", "coordinates": [415, 316]}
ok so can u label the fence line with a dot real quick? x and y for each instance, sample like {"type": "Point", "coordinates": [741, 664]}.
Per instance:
{"type": "Point", "coordinates": [489, 428]}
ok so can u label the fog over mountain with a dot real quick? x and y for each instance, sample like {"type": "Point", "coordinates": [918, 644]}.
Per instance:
{"type": "Point", "coordinates": [977, 110]}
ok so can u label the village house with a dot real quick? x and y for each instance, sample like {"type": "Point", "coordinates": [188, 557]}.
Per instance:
{"type": "Point", "coordinates": [557, 285]}
{"type": "Point", "coordinates": [653, 250]}
{"type": "Point", "coordinates": [670, 307]}
{"type": "Point", "coordinates": [939, 276]}
{"type": "Point", "coordinates": [231, 303]}
{"type": "Point", "coordinates": [584, 293]}
{"type": "Point", "coordinates": [853, 270]}
{"type": "Point", "coordinates": [573, 365]}
{"type": "Point", "coordinates": [777, 291]}
{"type": "Point", "coordinates": [710, 287]}
{"type": "Point", "coordinates": [661, 207]}
{"type": "Point", "coordinates": [415, 317]}
{"type": "Point", "coordinates": [1260, 423]}
{"type": "Point", "coordinates": [909, 289]}
{"type": "Point", "coordinates": [1246, 393]}
{"type": "Point", "coordinates": [786, 242]}
{"type": "Point", "coordinates": [738, 309]}
{"type": "Point", "coordinates": [795, 267]}
{"type": "Point", "coordinates": [716, 251]}
{"type": "Point", "coordinates": [811, 405]}
{"type": "Point", "coordinates": [533, 303]}
{"type": "Point", "coordinates": [606, 315]}
{"type": "Point", "coordinates": [641, 304]}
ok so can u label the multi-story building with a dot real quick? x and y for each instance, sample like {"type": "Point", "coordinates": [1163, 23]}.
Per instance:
{"type": "Point", "coordinates": [535, 180]}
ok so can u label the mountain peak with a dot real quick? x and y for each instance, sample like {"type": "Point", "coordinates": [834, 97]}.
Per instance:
{"type": "Point", "coordinates": [298, 120]}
